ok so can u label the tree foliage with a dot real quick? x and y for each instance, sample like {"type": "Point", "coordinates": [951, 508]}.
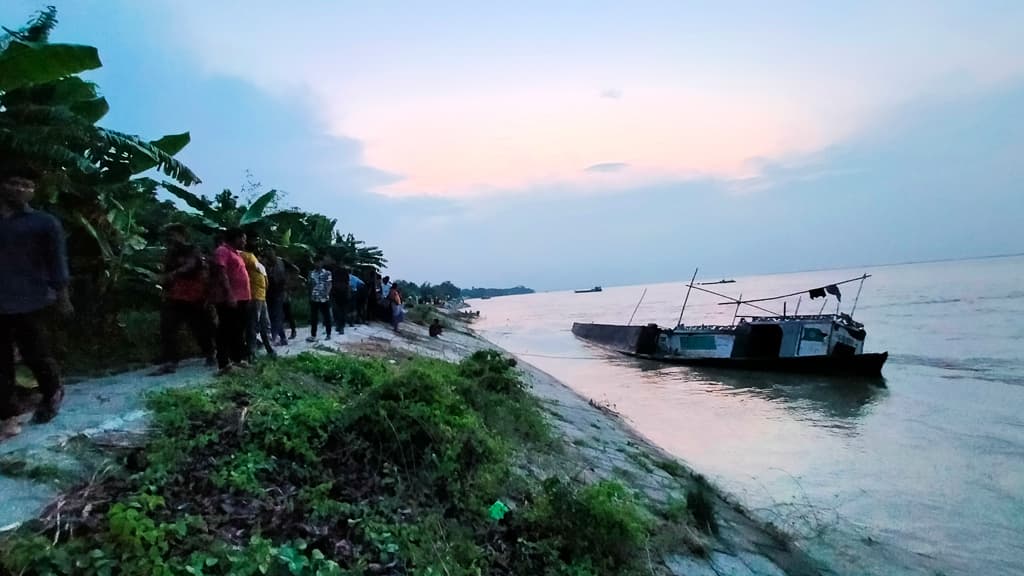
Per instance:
{"type": "Point", "coordinates": [105, 185]}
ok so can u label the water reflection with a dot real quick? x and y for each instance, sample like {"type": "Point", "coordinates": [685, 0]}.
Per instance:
{"type": "Point", "coordinates": [828, 398]}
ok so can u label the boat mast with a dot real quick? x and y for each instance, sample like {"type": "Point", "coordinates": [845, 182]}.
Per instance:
{"type": "Point", "coordinates": [685, 299]}
{"type": "Point", "coordinates": [637, 307]}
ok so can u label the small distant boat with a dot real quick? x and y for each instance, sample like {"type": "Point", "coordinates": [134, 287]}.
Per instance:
{"type": "Point", "coordinates": [831, 344]}
{"type": "Point", "coordinates": [723, 281]}
{"type": "Point", "coordinates": [589, 290]}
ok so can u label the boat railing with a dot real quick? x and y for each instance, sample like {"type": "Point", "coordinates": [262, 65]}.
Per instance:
{"type": "Point", "coordinates": [705, 328]}
{"type": "Point", "coordinates": [841, 318]}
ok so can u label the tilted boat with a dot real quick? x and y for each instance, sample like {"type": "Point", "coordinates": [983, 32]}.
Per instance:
{"type": "Point", "coordinates": [815, 343]}
{"type": "Point", "coordinates": [589, 290]}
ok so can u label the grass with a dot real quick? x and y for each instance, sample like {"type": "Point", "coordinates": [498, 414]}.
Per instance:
{"type": "Point", "coordinates": [424, 315]}
{"type": "Point", "coordinates": [331, 464]}
{"type": "Point", "coordinates": [15, 467]}
{"type": "Point", "coordinates": [699, 502]}
{"type": "Point", "coordinates": [672, 467]}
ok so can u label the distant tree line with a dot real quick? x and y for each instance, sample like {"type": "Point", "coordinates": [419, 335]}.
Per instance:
{"type": "Point", "coordinates": [448, 291]}
{"type": "Point", "coordinates": [493, 292]}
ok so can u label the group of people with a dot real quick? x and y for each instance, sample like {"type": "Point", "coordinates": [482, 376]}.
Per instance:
{"type": "Point", "coordinates": [226, 300]}
{"type": "Point", "coordinates": [234, 300]}
{"type": "Point", "coordinates": [249, 291]}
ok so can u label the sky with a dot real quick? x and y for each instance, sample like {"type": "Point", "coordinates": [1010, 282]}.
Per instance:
{"type": "Point", "coordinates": [572, 143]}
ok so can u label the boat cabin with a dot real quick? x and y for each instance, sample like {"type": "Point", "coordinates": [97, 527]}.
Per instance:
{"type": "Point", "coordinates": [767, 337]}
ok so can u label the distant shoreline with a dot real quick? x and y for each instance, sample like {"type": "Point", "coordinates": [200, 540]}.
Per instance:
{"type": "Point", "coordinates": [808, 270]}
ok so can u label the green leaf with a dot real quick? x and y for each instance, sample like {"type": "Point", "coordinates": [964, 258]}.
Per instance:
{"type": "Point", "coordinates": [108, 253]}
{"type": "Point", "coordinates": [194, 201]}
{"type": "Point", "coordinates": [43, 150]}
{"type": "Point", "coordinates": [26, 63]}
{"type": "Point", "coordinates": [172, 143]}
{"type": "Point", "coordinates": [254, 213]}
{"type": "Point", "coordinates": [91, 110]}
{"type": "Point", "coordinates": [143, 156]}
{"type": "Point", "coordinates": [136, 242]}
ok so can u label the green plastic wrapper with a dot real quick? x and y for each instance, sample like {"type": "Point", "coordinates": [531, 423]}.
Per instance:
{"type": "Point", "coordinates": [498, 510]}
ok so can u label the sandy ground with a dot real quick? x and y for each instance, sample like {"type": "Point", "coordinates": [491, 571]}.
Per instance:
{"type": "Point", "coordinates": [600, 445]}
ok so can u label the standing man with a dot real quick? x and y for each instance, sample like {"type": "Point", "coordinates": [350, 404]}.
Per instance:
{"type": "Point", "coordinates": [356, 291]}
{"type": "Point", "coordinates": [231, 293]}
{"type": "Point", "coordinates": [33, 277]}
{"type": "Point", "coordinates": [258, 315]}
{"type": "Point", "coordinates": [341, 295]}
{"type": "Point", "coordinates": [277, 288]}
{"type": "Point", "coordinates": [319, 298]}
{"type": "Point", "coordinates": [184, 283]}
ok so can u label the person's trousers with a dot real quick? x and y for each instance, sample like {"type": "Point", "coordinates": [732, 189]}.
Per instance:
{"type": "Point", "coordinates": [321, 310]}
{"type": "Point", "coordinates": [341, 305]}
{"type": "Point", "coordinates": [289, 318]}
{"type": "Point", "coordinates": [173, 314]}
{"type": "Point", "coordinates": [276, 308]}
{"type": "Point", "coordinates": [258, 322]}
{"type": "Point", "coordinates": [28, 332]}
{"type": "Point", "coordinates": [231, 325]}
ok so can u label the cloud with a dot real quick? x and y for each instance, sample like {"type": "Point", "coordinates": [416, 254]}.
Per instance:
{"type": "Point", "coordinates": [457, 107]}
{"type": "Point", "coordinates": [607, 167]}
{"type": "Point", "coordinates": [936, 179]}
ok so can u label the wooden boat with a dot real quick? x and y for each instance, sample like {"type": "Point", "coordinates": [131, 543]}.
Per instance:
{"type": "Point", "coordinates": [830, 344]}
{"type": "Point", "coordinates": [589, 290]}
{"type": "Point", "coordinates": [723, 281]}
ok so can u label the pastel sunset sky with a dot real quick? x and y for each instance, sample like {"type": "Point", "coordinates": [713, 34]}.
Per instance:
{"type": "Point", "coordinates": [568, 143]}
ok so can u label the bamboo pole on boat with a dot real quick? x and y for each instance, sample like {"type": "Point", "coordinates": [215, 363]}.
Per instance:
{"type": "Point", "coordinates": [860, 278]}
{"type": "Point", "coordinates": [630, 323]}
{"type": "Point", "coordinates": [687, 297]}
{"type": "Point", "coordinates": [737, 312]}
{"type": "Point", "coordinates": [732, 300]}
{"type": "Point", "coordinates": [857, 298]}
{"type": "Point", "coordinates": [797, 311]}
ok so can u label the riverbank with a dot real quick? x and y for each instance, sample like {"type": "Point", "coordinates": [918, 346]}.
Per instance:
{"type": "Point", "coordinates": [594, 445]}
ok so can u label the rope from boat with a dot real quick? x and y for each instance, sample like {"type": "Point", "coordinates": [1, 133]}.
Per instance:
{"type": "Point", "coordinates": [558, 357]}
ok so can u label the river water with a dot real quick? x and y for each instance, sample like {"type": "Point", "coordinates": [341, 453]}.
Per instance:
{"type": "Point", "coordinates": [931, 464]}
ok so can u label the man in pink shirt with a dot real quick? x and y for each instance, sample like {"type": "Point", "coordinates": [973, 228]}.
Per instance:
{"type": "Point", "coordinates": [230, 294]}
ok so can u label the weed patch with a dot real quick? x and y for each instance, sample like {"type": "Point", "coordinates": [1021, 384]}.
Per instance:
{"type": "Point", "coordinates": [330, 464]}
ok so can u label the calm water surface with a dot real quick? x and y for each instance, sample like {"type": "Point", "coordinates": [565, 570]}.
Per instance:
{"type": "Point", "coordinates": [933, 463]}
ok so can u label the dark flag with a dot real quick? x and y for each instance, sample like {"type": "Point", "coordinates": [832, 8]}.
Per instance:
{"type": "Point", "coordinates": [817, 293]}
{"type": "Point", "coordinates": [834, 290]}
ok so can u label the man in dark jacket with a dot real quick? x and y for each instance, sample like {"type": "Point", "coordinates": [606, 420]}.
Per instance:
{"type": "Point", "coordinates": [33, 261]}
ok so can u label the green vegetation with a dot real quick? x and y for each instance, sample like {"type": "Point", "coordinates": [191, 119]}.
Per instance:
{"type": "Point", "coordinates": [699, 503]}
{"type": "Point", "coordinates": [331, 464]}
{"type": "Point", "coordinates": [42, 472]}
{"type": "Point", "coordinates": [111, 192]}
{"type": "Point", "coordinates": [671, 467]}
{"type": "Point", "coordinates": [494, 292]}
{"type": "Point", "coordinates": [424, 315]}
{"type": "Point", "coordinates": [448, 291]}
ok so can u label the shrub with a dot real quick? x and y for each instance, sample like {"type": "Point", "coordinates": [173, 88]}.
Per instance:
{"type": "Point", "coordinates": [597, 528]}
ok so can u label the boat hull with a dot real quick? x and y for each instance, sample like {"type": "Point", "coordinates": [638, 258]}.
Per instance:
{"type": "Point", "coordinates": [638, 342]}
{"type": "Point", "coordinates": [859, 365]}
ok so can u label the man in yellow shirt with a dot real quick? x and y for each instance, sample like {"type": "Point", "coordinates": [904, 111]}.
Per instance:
{"type": "Point", "coordinates": [258, 314]}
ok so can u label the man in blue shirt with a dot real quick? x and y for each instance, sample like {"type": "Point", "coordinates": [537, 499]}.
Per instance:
{"type": "Point", "coordinates": [33, 277]}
